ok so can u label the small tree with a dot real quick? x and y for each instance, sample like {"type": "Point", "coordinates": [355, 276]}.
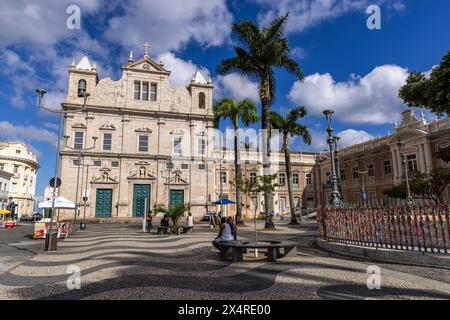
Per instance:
{"type": "Point", "coordinates": [174, 212]}
{"type": "Point", "coordinates": [429, 186]}
{"type": "Point", "coordinates": [432, 93]}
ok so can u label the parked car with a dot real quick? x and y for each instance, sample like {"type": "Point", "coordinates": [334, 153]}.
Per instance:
{"type": "Point", "coordinates": [25, 218]}
{"type": "Point", "coordinates": [207, 217]}
{"type": "Point", "coordinates": [36, 216]}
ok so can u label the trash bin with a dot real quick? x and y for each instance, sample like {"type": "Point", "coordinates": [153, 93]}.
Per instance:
{"type": "Point", "coordinates": [82, 225]}
{"type": "Point", "coordinates": [54, 241]}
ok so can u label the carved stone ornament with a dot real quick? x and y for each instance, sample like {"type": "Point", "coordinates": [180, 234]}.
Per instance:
{"type": "Point", "coordinates": [104, 176]}
{"type": "Point", "coordinates": [141, 172]}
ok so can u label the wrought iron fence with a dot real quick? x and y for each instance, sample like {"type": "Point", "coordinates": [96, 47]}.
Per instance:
{"type": "Point", "coordinates": [414, 228]}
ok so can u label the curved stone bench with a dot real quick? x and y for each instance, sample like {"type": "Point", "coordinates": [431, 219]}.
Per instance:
{"type": "Point", "coordinates": [275, 249]}
{"type": "Point", "coordinates": [174, 230]}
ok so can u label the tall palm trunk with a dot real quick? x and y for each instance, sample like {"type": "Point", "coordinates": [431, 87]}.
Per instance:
{"type": "Point", "coordinates": [265, 125]}
{"type": "Point", "coordinates": [238, 173]}
{"type": "Point", "coordinates": [287, 158]}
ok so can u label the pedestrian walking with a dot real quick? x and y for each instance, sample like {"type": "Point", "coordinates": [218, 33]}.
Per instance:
{"type": "Point", "coordinates": [149, 222]}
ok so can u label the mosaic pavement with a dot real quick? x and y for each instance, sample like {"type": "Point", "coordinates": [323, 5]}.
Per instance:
{"type": "Point", "coordinates": [122, 262]}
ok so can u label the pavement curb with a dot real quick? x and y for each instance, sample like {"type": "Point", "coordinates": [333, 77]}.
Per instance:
{"type": "Point", "coordinates": [386, 255]}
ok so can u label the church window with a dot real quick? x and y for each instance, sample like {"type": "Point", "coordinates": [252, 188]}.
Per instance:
{"type": "Point", "coordinates": [115, 164]}
{"type": "Point", "coordinates": [176, 145]}
{"type": "Point", "coordinates": [79, 140]}
{"type": "Point", "coordinates": [153, 91]}
{"type": "Point", "coordinates": [137, 90]}
{"type": "Point", "coordinates": [201, 146]}
{"type": "Point", "coordinates": [145, 91]}
{"type": "Point", "coordinates": [97, 163]}
{"type": "Point", "coordinates": [202, 100]}
{"type": "Point", "coordinates": [107, 141]}
{"type": "Point", "coordinates": [143, 143]}
{"type": "Point", "coordinates": [81, 88]}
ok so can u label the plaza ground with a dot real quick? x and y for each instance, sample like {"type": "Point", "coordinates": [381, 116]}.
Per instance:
{"type": "Point", "coordinates": [119, 261]}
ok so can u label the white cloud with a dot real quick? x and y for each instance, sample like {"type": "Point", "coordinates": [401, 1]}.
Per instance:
{"type": "Point", "coordinates": [26, 133]}
{"type": "Point", "coordinates": [169, 25]}
{"type": "Point", "coordinates": [304, 14]}
{"type": "Point", "coordinates": [348, 137]}
{"type": "Point", "coordinates": [369, 99]}
{"type": "Point", "coordinates": [181, 70]}
{"type": "Point", "coordinates": [40, 22]}
{"type": "Point", "coordinates": [236, 87]}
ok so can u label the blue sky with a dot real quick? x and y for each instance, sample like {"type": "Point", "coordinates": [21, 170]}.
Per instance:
{"type": "Point", "coordinates": [348, 67]}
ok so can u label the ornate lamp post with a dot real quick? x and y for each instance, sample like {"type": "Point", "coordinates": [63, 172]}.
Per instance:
{"type": "Point", "coordinates": [338, 169]}
{"type": "Point", "coordinates": [80, 151]}
{"type": "Point", "coordinates": [41, 93]}
{"type": "Point", "coordinates": [335, 196]}
{"type": "Point", "coordinates": [401, 148]}
{"type": "Point", "coordinates": [363, 184]}
{"type": "Point", "coordinates": [169, 167]}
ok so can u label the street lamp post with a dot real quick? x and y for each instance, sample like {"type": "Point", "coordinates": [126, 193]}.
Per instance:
{"type": "Point", "coordinates": [85, 197]}
{"type": "Point", "coordinates": [41, 93]}
{"type": "Point", "coordinates": [80, 151]}
{"type": "Point", "coordinates": [335, 196]}
{"type": "Point", "coordinates": [401, 147]}
{"type": "Point", "coordinates": [338, 170]}
{"type": "Point", "coordinates": [363, 184]}
{"type": "Point", "coordinates": [220, 158]}
{"type": "Point", "coordinates": [169, 166]}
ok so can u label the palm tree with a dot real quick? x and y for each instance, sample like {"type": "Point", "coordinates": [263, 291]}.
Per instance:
{"type": "Point", "coordinates": [263, 50]}
{"type": "Point", "coordinates": [174, 212]}
{"type": "Point", "coordinates": [247, 112]}
{"type": "Point", "coordinates": [290, 127]}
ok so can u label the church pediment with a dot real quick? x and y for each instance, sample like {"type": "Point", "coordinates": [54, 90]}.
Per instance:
{"type": "Point", "coordinates": [104, 176]}
{"type": "Point", "coordinates": [146, 65]}
{"type": "Point", "coordinates": [177, 179]}
{"type": "Point", "coordinates": [108, 126]}
{"type": "Point", "coordinates": [141, 172]}
{"type": "Point", "coordinates": [79, 125]}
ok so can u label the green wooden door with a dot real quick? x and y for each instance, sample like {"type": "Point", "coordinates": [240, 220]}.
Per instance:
{"type": "Point", "coordinates": [141, 199]}
{"type": "Point", "coordinates": [103, 203]}
{"type": "Point", "coordinates": [176, 197]}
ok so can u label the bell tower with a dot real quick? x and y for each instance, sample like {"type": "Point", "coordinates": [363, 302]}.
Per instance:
{"type": "Point", "coordinates": [83, 77]}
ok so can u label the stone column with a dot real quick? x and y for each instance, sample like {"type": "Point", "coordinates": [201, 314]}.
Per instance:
{"type": "Point", "coordinates": [428, 163]}
{"type": "Point", "coordinates": [394, 165]}
{"type": "Point", "coordinates": [422, 164]}
{"type": "Point", "coordinates": [399, 163]}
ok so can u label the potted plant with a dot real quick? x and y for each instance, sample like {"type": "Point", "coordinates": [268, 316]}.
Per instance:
{"type": "Point", "coordinates": [174, 212]}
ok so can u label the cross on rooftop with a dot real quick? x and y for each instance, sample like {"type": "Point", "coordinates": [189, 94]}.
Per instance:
{"type": "Point", "coordinates": [146, 46]}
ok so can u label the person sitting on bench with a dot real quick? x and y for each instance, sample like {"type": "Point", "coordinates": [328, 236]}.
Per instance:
{"type": "Point", "coordinates": [224, 233]}
{"type": "Point", "coordinates": [165, 222]}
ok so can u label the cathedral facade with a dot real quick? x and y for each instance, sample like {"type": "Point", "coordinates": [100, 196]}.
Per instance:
{"type": "Point", "coordinates": [139, 143]}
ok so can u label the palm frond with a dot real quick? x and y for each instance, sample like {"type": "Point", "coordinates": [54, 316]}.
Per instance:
{"type": "Point", "coordinates": [248, 111]}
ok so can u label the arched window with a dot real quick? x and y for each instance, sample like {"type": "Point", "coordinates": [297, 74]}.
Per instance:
{"type": "Point", "coordinates": [202, 100]}
{"type": "Point", "coordinates": [81, 88]}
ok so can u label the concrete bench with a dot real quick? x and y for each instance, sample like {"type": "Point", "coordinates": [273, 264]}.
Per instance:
{"type": "Point", "coordinates": [275, 249]}
{"type": "Point", "coordinates": [174, 230]}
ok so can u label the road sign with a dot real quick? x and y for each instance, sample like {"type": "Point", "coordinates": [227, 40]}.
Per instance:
{"type": "Point", "coordinates": [52, 182]}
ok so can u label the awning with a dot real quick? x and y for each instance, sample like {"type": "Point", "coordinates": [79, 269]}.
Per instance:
{"type": "Point", "coordinates": [223, 201]}
{"type": "Point", "coordinates": [60, 203]}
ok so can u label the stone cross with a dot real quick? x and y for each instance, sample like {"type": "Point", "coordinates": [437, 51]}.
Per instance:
{"type": "Point", "coordinates": [146, 46]}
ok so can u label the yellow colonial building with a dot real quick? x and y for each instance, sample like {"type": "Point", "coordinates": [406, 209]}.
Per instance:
{"type": "Point", "coordinates": [21, 163]}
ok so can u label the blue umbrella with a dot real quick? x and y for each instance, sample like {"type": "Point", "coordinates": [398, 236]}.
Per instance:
{"type": "Point", "coordinates": [223, 201]}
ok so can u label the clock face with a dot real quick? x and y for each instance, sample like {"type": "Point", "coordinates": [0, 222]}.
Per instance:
{"type": "Point", "coordinates": [146, 66]}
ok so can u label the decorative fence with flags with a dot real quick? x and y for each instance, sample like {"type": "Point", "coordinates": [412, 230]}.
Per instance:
{"type": "Point", "coordinates": [416, 228]}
